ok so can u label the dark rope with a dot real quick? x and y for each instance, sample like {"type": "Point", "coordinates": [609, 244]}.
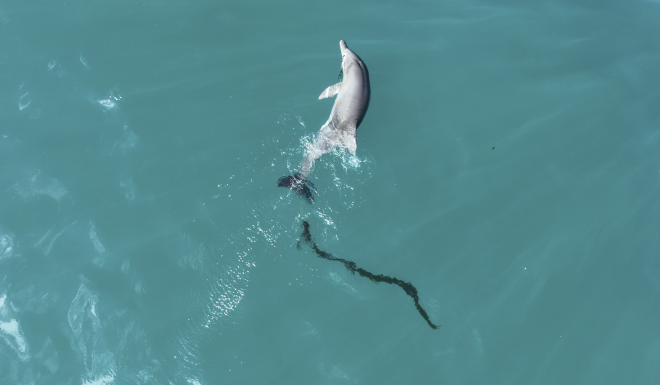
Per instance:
{"type": "Point", "coordinates": [407, 287]}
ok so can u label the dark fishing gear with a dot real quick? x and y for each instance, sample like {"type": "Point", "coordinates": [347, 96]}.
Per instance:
{"type": "Point", "coordinates": [407, 287]}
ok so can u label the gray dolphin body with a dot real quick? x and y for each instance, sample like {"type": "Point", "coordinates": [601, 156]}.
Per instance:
{"type": "Point", "coordinates": [353, 95]}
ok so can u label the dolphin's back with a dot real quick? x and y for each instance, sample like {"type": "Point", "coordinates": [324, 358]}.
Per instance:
{"type": "Point", "coordinates": [353, 99]}
{"type": "Point", "coordinates": [362, 95]}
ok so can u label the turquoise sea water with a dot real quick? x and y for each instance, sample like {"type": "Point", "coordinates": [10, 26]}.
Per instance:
{"type": "Point", "coordinates": [508, 167]}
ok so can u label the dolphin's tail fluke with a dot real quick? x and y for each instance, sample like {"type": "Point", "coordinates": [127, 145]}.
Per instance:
{"type": "Point", "coordinates": [300, 185]}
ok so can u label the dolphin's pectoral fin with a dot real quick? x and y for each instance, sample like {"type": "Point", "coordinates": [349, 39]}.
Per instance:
{"type": "Point", "coordinates": [330, 91]}
{"type": "Point", "coordinates": [349, 143]}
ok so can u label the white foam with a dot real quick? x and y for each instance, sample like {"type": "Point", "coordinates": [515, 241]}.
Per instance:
{"type": "Point", "coordinates": [195, 257]}
{"type": "Point", "coordinates": [477, 340]}
{"type": "Point", "coordinates": [125, 266]}
{"type": "Point", "coordinates": [52, 242]}
{"type": "Point", "coordinates": [88, 339]}
{"type": "Point", "coordinates": [13, 335]}
{"type": "Point", "coordinates": [311, 330]}
{"type": "Point", "coordinates": [338, 281]}
{"type": "Point", "coordinates": [129, 188]}
{"type": "Point", "coordinates": [98, 246]}
{"type": "Point", "coordinates": [107, 103]}
{"type": "Point", "coordinates": [54, 238]}
{"type": "Point", "coordinates": [48, 356]}
{"type": "Point", "coordinates": [6, 246]}
{"type": "Point", "coordinates": [83, 60]}
{"type": "Point", "coordinates": [77, 314]}
{"type": "Point", "coordinates": [21, 104]}
{"type": "Point", "coordinates": [130, 141]}
{"type": "Point", "coordinates": [335, 373]}
{"type": "Point", "coordinates": [37, 185]}
{"type": "Point", "coordinates": [101, 380]}
{"type": "Point", "coordinates": [111, 101]}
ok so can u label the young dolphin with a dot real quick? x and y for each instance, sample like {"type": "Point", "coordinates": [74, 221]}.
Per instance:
{"type": "Point", "coordinates": [353, 94]}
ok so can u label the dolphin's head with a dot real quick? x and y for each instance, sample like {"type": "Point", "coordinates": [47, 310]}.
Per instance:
{"type": "Point", "coordinates": [345, 51]}
{"type": "Point", "coordinates": [342, 46]}
{"type": "Point", "coordinates": [348, 57]}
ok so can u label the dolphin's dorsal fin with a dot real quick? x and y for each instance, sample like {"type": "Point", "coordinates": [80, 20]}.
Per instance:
{"type": "Point", "coordinates": [330, 91]}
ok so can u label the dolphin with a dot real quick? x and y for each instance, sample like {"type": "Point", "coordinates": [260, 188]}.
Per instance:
{"type": "Point", "coordinates": [353, 93]}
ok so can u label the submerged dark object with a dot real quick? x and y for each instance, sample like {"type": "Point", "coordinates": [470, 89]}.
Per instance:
{"type": "Point", "coordinates": [407, 287]}
{"type": "Point", "coordinates": [298, 184]}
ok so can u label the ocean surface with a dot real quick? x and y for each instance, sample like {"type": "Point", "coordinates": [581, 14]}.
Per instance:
{"type": "Point", "coordinates": [508, 168]}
